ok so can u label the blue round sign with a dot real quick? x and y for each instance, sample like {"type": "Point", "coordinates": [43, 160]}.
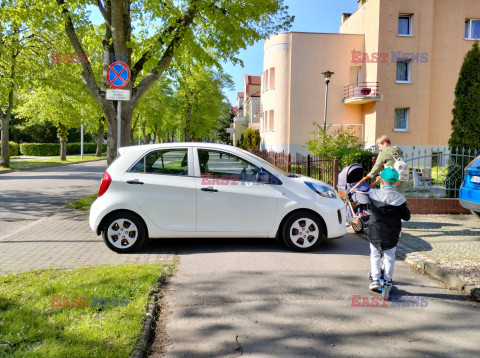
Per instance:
{"type": "Point", "coordinates": [118, 74]}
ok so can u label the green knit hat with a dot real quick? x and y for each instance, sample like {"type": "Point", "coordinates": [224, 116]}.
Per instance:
{"type": "Point", "coordinates": [389, 175]}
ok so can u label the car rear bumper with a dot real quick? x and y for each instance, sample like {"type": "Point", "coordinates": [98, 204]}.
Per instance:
{"type": "Point", "coordinates": [470, 205]}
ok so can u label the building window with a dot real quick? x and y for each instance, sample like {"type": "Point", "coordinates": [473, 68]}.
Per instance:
{"type": "Point", "coordinates": [405, 25]}
{"type": "Point", "coordinates": [403, 71]}
{"type": "Point", "coordinates": [264, 122]}
{"type": "Point", "coordinates": [272, 78]}
{"type": "Point", "coordinates": [271, 121]}
{"type": "Point", "coordinates": [472, 29]}
{"type": "Point", "coordinates": [401, 119]}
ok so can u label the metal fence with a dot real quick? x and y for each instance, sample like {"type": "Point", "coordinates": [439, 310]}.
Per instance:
{"type": "Point", "coordinates": [434, 173]}
{"type": "Point", "coordinates": [321, 168]}
{"type": "Point", "coordinates": [437, 172]}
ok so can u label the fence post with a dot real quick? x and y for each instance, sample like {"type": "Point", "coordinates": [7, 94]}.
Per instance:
{"type": "Point", "coordinates": [308, 165]}
{"type": "Point", "coordinates": [373, 180]}
{"type": "Point", "coordinates": [275, 158]}
{"type": "Point", "coordinates": [335, 173]}
{"type": "Point", "coordinates": [289, 163]}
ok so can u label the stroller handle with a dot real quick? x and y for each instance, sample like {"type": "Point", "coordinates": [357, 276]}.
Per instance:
{"type": "Point", "coordinates": [360, 182]}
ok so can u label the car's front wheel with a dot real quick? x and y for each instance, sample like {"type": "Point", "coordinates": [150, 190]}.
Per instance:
{"type": "Point", "coordinates": [303, 231]}
{"type": "Point", "coordinates": [124, 232]}
{"type": "Point", "coordinates": [476, 213]}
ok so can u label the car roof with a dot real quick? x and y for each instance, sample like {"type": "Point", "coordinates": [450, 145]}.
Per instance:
{"type": "Point", "coordinates": [148, 147]}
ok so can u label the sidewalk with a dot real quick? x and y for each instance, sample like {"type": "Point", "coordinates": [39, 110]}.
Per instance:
{"type": "Point", "coordinates": [450, 241]}
{"type": "Point", "coordinates": [65, 240]}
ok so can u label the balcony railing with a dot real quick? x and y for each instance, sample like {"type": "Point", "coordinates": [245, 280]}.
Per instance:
{"type": "Point", "coordinates": [361, 92]}
{"type": "Point", "coordinates": [258, 110]}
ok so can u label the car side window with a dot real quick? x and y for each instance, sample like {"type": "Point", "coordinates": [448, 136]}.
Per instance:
{"type": "Point", "coordinates": [223, 165]}
{"type": "Point", "coordinates": [165, 161]}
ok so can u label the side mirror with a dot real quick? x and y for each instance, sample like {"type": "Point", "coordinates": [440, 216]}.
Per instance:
{"type": "Point", "coordinates": [262, 177]}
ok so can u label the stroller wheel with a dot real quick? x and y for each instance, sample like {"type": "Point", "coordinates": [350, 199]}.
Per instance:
{"type": "Point", "coordinates": [357, 224]}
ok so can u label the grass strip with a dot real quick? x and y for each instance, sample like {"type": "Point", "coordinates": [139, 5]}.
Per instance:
{"type": "Point", "coordinates": [36, 320]}
{"type": "Point", "coordinates": [43, 162]}
{"type": "Point", "coordinates": [83, 203]}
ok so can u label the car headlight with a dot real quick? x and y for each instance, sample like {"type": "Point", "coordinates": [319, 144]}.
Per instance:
{"type": "Point", "coordinates": [323, 190]}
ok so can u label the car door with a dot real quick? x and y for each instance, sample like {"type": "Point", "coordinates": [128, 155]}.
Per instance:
{"type": "Point", "coordinates": [161, 186]}
{"type": "Point", "coordinates": [228, 198]}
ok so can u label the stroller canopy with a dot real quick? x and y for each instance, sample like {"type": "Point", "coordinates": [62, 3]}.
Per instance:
{"type": "Point", "coordinates": [350, 175]}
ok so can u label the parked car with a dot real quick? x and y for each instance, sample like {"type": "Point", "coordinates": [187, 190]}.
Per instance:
{"type": "Point", "coordinates": [470, 190]}
{"type": "Point", "coordinates": [210, 190]}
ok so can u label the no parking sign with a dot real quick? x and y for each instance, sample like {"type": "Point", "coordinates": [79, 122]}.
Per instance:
{"type": "Point", "coordinates": [118, 74]}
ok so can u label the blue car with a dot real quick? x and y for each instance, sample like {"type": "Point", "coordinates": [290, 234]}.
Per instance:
{"type": "Point", "coordinates": [470, 190]}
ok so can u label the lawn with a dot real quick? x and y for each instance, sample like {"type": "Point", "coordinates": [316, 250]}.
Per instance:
{"type": "Point", "coordinates": [32, 324]}
{"type": "Point", "coordinates": [83, 203]}
{"type": "Point", "coordinates": [42, 162]}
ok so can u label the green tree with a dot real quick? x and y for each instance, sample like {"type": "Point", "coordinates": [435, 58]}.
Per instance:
{"type": "Point", "coordinates": [148, 35]}
{"type": "Point", "coordinates": [466, 110]}
{"type": "Point", "coordinates": [251, 139]}
{"type": "Point", "coordinates": [17, 49]}
{"type": "Point", "coordinates": [342, 143]}
{"type": "Point", "coordinates": [466, 119]}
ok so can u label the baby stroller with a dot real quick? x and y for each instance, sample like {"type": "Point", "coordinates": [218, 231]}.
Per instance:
{"type": "Point", "coordinates": [356, 202]}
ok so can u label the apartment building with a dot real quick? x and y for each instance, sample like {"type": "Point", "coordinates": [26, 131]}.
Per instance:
{"type": "Point", "coordinates": [395, 64]}
{"type": "Point", "coordinates": [248, 110]}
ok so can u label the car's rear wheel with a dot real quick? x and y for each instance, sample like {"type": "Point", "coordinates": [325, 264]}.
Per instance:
{"type": "Point", "coordinates": [124, 232]}
{"type": "Point", "coordinates": [303, 231]}
{"type": "Point", "coordinates": [476, 213]}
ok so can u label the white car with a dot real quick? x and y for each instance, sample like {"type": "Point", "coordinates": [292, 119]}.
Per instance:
{"type": "Point", "coordinates": [210, 190]}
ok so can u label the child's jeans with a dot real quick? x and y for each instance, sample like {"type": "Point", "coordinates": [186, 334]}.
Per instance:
{"type": "Point", "coordinates": [388, 262]}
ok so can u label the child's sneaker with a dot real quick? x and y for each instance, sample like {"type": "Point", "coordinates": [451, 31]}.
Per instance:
{"type": "Point", "coordinates": [374, 286]}
{"type": "Point", "coordinates": [388, 283]}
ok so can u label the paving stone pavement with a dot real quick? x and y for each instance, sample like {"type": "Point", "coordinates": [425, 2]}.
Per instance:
{"type": "Point", "coordinates": [450, 241]}
{"type": "Point", "coordinates": [65, 240]}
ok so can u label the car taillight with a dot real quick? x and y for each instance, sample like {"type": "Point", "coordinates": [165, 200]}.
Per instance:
{"type": "Point", "coordinates": [106, 180]}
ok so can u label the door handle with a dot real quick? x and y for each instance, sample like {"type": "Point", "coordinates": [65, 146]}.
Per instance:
{"type": "Point", "coordinates": [136, 181]}
{"type": "Point", "coordinates": [210, 188]}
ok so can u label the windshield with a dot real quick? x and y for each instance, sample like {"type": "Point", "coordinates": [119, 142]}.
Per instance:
{"type": "Point", "coordinates": [266, 163]}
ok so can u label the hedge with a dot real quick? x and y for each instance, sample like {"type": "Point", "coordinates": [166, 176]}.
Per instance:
{"type": "Point", "coordinates": [53, 149]}
{"type": "Point", "coordinates": [14, 148]}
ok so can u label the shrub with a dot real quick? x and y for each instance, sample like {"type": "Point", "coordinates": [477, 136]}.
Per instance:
{"type": "Point", "coordinates": [251, 139]}
{"type": "Point", "coordinates": [53, 149]}
{"type": "Point", "coordinates": [14, 148]}
{"type": "Point", "coordinates": [40, 149]}
{"type": "Point", "coordinates": [343, 143]}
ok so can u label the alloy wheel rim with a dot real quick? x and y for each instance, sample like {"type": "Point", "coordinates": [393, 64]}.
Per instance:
{"type": "Point", "coordinates": [304, 233]}
{"type": "Point", "coordinates": [122, 233]}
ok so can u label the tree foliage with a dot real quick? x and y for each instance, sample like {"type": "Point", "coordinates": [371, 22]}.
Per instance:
{"type": "Point", "coordinates": [466, 111]}
{"type": "Point", "coordinates": [251, 139]}
{"type": "Point", "coordinates": [342, 143]}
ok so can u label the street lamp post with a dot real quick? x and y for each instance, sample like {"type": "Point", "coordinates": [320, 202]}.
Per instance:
{"type": "Point", "coordinates": [327, 75]}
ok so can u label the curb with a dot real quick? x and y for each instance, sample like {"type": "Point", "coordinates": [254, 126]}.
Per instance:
{"type": "Point", "coordinates": [48, 166]}
{"type": "Point", "coordinates": [153, 310]}
{"type": "Point", "coordinates": [430, 268]}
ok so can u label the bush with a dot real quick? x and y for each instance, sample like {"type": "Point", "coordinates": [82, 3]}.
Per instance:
{"type": "Point", "coordinates": [14, 148]}
{"type": "Point", "coordinates": [251, 139]}
{"type": "Point", "coordinates": [343, 143]}
{"type": "Point", "coordinates": [53, 149]}
{"type": "Point", "coordinates": [40, 149]}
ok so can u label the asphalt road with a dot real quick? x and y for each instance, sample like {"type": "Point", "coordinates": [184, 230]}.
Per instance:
{"type": "Point", "coordinates": [250, 297]}
{"type": "Point", "coordinates": [26, 196]}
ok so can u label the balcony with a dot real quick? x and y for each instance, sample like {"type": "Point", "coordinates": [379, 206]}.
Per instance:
{"type": "Point", "coordinates": [361, 93]}
{"type": "Point", "coordinates": [258, 111]}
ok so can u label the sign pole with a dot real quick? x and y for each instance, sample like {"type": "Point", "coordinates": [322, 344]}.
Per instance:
{"type": "Point", "coordinates": [81, 139]}
{"type": "Point", "coordinates": [119, 120]}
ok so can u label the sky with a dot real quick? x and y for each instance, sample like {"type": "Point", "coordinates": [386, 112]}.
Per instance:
{"type": "Point", "coordinates": [310, 16]}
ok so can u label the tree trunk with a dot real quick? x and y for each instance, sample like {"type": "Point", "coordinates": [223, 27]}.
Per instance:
{"type": "Point", "coordinates": [101, 130]}
{"type": "Point", "coordinates": [63, 136]}
{"type": "Point", "coordinates": [5, 161]}
{"type": "Point", "coordinates": [187, 124]}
